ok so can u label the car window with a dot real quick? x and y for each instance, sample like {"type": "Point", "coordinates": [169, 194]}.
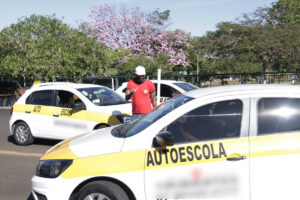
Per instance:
{"type": "Point", "coordinates": [102, 96]}
{"type": "Point", "coordinates": [186, 86]}
{"type": "Point", "coordinates": [167, 91]}
{"type": "Point", "coordinates": [43, 97]}
{"type": "Point", "coordinates": [277, 115]}
{"type": "Point", "coordinates": [66, 99]}
{"type": "Point", "coordinates": [209, 122]}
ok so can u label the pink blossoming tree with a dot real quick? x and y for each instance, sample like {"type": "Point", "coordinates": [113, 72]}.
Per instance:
{"type": "Point", "coordinates": [140, 34]}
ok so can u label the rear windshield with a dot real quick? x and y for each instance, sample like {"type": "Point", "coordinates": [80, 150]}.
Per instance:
{"type": "Point", "coordinates": [102, 96]}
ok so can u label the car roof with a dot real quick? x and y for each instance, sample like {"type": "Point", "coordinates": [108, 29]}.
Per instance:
{"type": "Point", "coordinates": [243, 89]}
{"type": "Point", "coordinates": [65, 84]}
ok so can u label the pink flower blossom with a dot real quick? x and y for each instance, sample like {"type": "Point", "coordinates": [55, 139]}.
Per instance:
{"type": "Point", "coordinates": [134, 30]}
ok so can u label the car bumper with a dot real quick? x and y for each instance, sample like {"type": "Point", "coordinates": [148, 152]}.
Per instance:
{"type": "Point", "coordinates": [11, 121]}
{"type": "Point", "coordinates": [53, 189]}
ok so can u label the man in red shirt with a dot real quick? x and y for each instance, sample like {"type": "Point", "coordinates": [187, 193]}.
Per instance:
{"type": "Point", "coordinates": [142, 93]}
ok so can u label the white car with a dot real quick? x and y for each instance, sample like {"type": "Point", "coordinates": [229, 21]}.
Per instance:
{"type": "Point", "coordinates": [227, 142]}
{"type": "Point", "coordinates": [168, 88]}
{"type": "Point", "coordinates": [62, 110]}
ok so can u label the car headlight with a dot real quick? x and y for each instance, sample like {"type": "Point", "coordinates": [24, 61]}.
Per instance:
{"type": "Point", "coordinates": [52, 168]}
{"type": "Point", "coordinates": [124, 119]}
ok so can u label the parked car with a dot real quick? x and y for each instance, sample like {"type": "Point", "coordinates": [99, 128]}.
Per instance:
{"type": "Point", "coordinates": [169, 88]}
{"type": "Point", "coordinates": [62, 110]}
{"type": "Point", "coordinates": [10, 91]}
{"type": "Point", "coordinates": [227, 142]}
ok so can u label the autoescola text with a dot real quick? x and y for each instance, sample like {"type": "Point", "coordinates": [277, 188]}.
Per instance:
{"type": "Point", "coordinates": [185, 154]}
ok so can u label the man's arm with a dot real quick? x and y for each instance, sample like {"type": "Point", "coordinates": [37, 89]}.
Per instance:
{"type": "Point", "coordinates": [153, 99]}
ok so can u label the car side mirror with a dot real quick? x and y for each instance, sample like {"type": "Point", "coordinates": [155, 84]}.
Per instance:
{"type": "Point", "coordinates": [79, 106]}
{"type": "Point", "coordinates": [163, 139]}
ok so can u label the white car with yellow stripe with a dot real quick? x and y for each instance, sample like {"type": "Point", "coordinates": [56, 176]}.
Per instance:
{"type": "Point", "coordinates": [230, 142]}
{"type": "Point", "coordinates": [61, 110]}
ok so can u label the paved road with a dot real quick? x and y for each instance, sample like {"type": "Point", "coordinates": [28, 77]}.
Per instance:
{"type": "Point", "coordinates": [17, 163]}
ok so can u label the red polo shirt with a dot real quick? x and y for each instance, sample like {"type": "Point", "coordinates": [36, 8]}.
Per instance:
{"type": "Point", "coordinates": [141, 101]}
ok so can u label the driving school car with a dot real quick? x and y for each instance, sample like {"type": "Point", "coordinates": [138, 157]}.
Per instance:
{"type": "Point", "coordinates": [227, 142]}
{"type": "Point", "coordinates": [61, 110]}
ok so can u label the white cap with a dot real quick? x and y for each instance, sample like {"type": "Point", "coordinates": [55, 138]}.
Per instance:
{"type": "Point", "coordinates": [140, 70]}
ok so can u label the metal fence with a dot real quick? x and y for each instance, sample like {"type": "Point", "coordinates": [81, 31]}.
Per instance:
{"type": "Point", "coordinates": [208, 80]}
{"type": "Point", "coordinates": [9, 96]}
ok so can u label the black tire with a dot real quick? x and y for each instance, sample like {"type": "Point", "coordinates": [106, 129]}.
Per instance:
{"type": "Point", "coordinates": [22, 134]}
{"type": "Point", "coordinates": [100, 126]}
{"type": "Point", "coordinates": [102, 190]}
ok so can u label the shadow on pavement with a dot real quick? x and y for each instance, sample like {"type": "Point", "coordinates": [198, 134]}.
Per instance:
{"type": "Point", "coordinates": [37, 141]}
{"type": "Point", "coordinates": [10, 139]}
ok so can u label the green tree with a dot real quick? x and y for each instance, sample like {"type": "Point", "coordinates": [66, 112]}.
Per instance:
{"type": "Point", "coordinates": [287, 16]}
{"type": "Point", "coordinates": [286, 12]}
{"type": "Point", "coordinates": [44, 48]}
{"type": "Point", "coordinates": [224, 50]}
{"type": "Point", "coordinates": [265, 40]}
{"type": "Point", "coordinates": [275, 36]}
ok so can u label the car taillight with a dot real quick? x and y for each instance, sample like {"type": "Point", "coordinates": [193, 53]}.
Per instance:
{"type": "Point", "coordinates": [11, 110]}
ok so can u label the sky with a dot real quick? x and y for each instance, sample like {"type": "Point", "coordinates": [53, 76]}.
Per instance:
{"type": "Point", "coordinates": [193, 16]}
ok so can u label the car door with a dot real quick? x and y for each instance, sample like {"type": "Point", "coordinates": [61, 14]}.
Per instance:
{"type": "Point", "coordinates": [68, 121]}
{"type": "Point", "coordinates": [275, 147]}
{"type": "Point", "coordinates": [166, 92]}
{"type": "Point", "coordinates": [209, 158]}
{"type": "Point", "coordinates": [38, 110]}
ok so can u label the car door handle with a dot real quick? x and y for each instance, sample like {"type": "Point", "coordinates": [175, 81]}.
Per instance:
{"type": "Point", "coordinates": [236, 158]}
{"type": "Point", "coordinates": [56, 115]}
{"type": "Point", "coordinates": [28, 111]}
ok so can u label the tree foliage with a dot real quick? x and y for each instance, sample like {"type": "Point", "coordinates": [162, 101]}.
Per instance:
{"type": "Point", "coordinates": [42, 47]}
{"type": "Point", "coordinates": [263, 41]}
{"type": "Point", "coordinates": [115, 41]}
{"type": "Point", "coordinates": [286, 12]}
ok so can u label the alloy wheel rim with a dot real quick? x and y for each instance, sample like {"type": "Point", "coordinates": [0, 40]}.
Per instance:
{"type": "Point", "coordinates": [96, 196]}
{"type": "Point", "coordinates": [22, 133]}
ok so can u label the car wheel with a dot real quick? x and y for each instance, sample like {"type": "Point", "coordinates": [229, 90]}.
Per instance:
{"type": "Point", "coordinates": [22, 134]}
{"type": "Point", "coordinates": [102, 190]}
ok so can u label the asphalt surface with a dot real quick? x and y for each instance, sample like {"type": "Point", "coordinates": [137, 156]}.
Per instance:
{"type": "Point", "coordinates": [17, 163]}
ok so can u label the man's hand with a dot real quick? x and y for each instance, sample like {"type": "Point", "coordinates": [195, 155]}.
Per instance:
{"type": "Point", "coordinates": [132, 91]}
{"type": "Point", "coordinates": [153, 99]}
{"type": "Point", "coordinates": [129, 93]}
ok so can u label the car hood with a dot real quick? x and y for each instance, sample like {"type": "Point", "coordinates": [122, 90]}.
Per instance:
{"type": "Point", "coordinates": [97, 142]}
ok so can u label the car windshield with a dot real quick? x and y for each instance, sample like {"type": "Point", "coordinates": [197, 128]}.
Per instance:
{"type": "Point", "coordinates": [127, 130]}
{"type": "Point", "coordinates": [102, 96]}
{"type": "Point", "coordinates": [186, 86]}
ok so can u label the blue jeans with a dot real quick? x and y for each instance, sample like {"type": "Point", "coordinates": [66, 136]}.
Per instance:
{"type": "Point", "coordinates": [135, 116]}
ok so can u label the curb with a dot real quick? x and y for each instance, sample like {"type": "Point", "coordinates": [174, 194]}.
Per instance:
{"type": "Point", "coordinates": [5, 107]}
{"type": "Point", "coordinates": [21, 154]}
